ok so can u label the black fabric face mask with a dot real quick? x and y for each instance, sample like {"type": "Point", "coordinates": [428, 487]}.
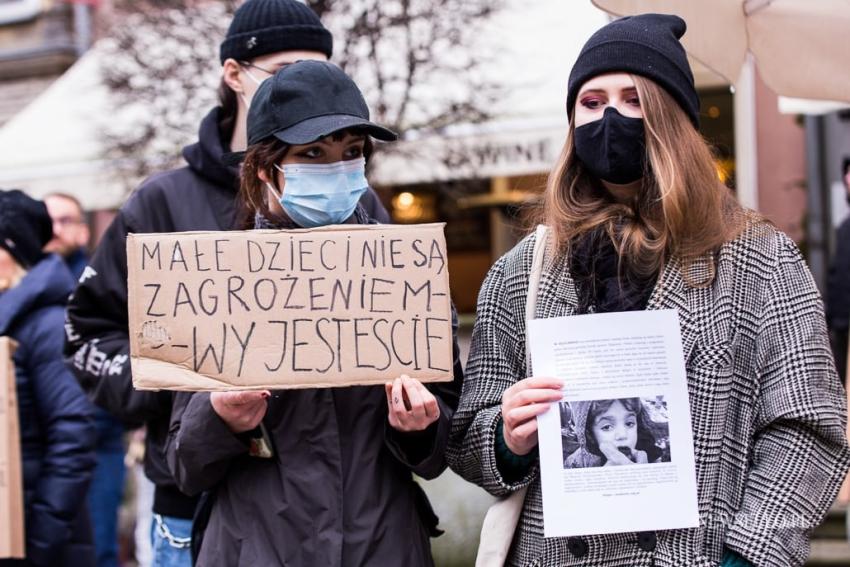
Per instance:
{"type": "Point", "coordinates": [613, 148]}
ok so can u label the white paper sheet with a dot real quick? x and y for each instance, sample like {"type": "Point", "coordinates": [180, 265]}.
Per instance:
{"type": "Point", "coordinates": [634, 471]}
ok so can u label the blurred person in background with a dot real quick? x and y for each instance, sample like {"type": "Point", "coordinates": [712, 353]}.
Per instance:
{"type": "Point", "coordinates": [56, 420]}
{"type": "Point", "coordinates": [838, 308]}
{"type": "Point", "coordinates": [70, 231]}
{"type": "Point", "coordinates": [134, 460]}
{"type": "Point", "coordinates": [838, 285]}
{"type": "Point", "coordinates": [264, 36]}
{"type": "Point", "coordinates": [70, 240]}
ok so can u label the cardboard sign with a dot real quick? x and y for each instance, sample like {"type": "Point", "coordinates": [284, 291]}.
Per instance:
{"type": "Point", "coordinates": [11, 480]}
{"type": "Point", "coordinates": [336, 306]}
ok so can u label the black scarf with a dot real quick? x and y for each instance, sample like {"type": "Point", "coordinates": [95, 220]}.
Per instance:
{"type": "Point", "coordinates": [594, 268]}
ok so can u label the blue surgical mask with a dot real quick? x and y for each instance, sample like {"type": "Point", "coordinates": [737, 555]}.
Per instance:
{"type": "Point", "coordinates": [322, 194]}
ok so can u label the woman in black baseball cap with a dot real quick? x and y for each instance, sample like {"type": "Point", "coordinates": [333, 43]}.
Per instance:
{"type": "Point", "coordinates": [339, 490]}
{"type": "Point", "coordinates": [308, 129]}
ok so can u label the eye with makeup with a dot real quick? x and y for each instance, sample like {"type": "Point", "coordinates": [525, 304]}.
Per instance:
{"type": "Point", "coordinates": [632, 99]}
{"type": "Point", "coordinates": [592, 102]}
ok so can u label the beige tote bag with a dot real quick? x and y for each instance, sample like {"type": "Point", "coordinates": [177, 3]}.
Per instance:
{"type": "Point", "coordinates": [500, 522]}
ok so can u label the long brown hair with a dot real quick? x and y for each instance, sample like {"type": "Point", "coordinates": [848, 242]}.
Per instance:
{"type": "Point", "coordinates": [682, 209]}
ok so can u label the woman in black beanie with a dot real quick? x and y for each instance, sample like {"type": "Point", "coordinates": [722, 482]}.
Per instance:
{"type": "Point", "coordinates": [637, 219]}
{"type": "Point", "coordinates": [56, 420]}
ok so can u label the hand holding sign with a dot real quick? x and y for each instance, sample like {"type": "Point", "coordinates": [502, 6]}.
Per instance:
{"type": "Point", "coordinates": [241, 411]}
{"type": "Point", "coordinates": [412, 407]}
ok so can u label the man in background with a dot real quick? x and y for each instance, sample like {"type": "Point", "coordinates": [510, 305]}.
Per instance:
{"type": "Point", "coordinates": [70, 240]}
{"type": "Point", "coordinates": [70, 231]}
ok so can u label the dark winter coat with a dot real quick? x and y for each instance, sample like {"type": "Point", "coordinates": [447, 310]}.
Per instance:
{"type": "Point", "coordinates": [57, 421]}
{"type": "Point", "coordinates": [338, 491]}
{"type": "Point", "coordinates": [838, 296]}
{"type": "Point", "coordinates": [199, 196]}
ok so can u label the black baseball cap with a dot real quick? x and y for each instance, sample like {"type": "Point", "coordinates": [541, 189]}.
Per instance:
{"type": "Point", "coordinates": [306, 101]}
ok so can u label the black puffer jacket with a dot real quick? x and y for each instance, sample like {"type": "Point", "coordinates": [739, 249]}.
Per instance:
{"type": "Point", "coordinates": [57, 421]}
{"type": "Point", "coordinates": [199, 196]}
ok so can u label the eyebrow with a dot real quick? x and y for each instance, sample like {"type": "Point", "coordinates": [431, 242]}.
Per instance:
{"type": "Point", "coordinates": [603, 91]}
{"type": "Point", "coordinates": [327, 140]}
{"type": "Point", "coordinates": [608, 418]}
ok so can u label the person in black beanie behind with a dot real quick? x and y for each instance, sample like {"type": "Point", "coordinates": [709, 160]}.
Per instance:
{"type": "Point", "coordinates": [57, 428]}
{"type": "Point", "coordinates": [264, 36]}
{"type": "Point", "coordinates": [636, 219]}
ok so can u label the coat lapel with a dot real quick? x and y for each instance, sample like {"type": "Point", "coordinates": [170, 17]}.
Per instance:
{"type": "Point", "coordinates": [671, 292]}
{"type": "Point", "coordinates": [564, 299]}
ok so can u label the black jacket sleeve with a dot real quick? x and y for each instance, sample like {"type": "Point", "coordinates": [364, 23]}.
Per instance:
{"type": "Point", "coordinates": [97, 337]}
{"type": "Point", "coordinates": [424, 452]}
{"type": "Point", "coordinates": [200, 446]}
{"type": "Point", "coordinates": [66, 419]}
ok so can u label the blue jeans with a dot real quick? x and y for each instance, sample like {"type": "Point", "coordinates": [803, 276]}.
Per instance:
{"type": "Point", "coordinates": [171, 539]}
{"type": "Point", "coordinates": [107, 487]}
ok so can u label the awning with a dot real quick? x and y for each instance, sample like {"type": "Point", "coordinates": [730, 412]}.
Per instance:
{"type": "Point", "coordinates": [54, 144]}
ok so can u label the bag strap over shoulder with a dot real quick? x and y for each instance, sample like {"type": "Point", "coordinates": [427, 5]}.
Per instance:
{"type": "Point", "coordinates": [537, 258]}
{"type": "Point", "coordinates": [502, 518]}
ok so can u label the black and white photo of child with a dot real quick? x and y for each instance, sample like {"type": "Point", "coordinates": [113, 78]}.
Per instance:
{"type": "Point", "coordinates": [624, 431]}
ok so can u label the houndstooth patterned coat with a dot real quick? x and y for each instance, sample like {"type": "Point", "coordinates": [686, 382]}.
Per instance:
{"type": "Point", "coordinates": [767, 407]}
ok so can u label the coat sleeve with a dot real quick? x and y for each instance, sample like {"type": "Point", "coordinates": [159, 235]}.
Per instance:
{"type": "Point", "coordinates": [496, 362]}
{"type": "Point", "coordinates": [97, 337]}
{"type": "Point", "coordinates": [66, 419]}
{"type": "Point", "coordinates": [200, 446]}
{"type": "Point", "coordinates": [799, 451]}
{"type": "Point", "coordinates": [424, 452]}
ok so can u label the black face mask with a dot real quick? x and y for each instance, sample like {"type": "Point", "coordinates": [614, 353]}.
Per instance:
{"type": "Point", "coordinates": [613, 148]}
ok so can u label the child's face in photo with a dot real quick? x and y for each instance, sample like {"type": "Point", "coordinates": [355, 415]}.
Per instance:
{"type": "Point", "coordinates": [616, 426]}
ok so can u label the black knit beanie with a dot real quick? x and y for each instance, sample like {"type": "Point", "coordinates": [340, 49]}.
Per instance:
{"type": "Point", "coordinates": [25, 227]}
{"type": "Point", "coordinates": [646, 45]}
{"type": "Point", "coordinates": [260, 27]}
